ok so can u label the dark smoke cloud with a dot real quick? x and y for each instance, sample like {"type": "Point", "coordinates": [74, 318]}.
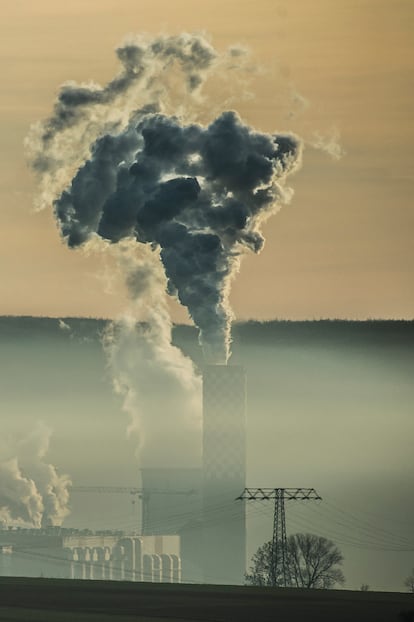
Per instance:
{"type": "Point", "coordinates": [116, 166]}
{"type": "Point", "coordinates": [197, 193]}
{"type": "Point", "coordinates": [137, 58]}
{"type": "Point", "coordinates": [154, 72]}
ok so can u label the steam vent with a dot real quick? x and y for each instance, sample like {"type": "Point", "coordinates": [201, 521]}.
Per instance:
{"type": "Point", "coordinates": [224, 474]}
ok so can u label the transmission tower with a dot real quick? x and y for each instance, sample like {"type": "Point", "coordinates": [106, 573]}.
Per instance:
{"type": "Point", "coordinates": [279, 567]}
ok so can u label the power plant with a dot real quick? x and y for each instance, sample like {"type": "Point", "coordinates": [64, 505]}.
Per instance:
{"type": "Point", "coordinates": [197, 195]}
{"type": "Point", "coordinates": [192, 527]}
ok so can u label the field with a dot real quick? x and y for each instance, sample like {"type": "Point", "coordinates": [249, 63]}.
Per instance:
{"type": "Point", "coordinates": [56, 600]}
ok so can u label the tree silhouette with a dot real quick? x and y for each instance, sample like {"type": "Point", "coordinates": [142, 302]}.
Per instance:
{"type": "Point", "coordinates": [261, 568]}
{"type": "Point", "coordinates": [312, 561]}
{"type": "Point", "coordinates": [409, 582]}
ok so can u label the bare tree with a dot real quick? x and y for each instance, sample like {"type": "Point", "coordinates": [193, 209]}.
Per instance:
{"type": "Point", "coordinates": [313, 562]}
{"type": "Point", "coordinates": [261, 568]}
{"type": "Point", "coordinates": [409, 582]}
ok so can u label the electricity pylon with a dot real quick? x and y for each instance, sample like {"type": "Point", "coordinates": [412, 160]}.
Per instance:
{"type": "Point", "coordinates": [279, 566]}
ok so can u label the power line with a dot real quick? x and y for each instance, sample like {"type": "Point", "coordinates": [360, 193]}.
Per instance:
{"type": "Point", "coordinates": [141, 493]}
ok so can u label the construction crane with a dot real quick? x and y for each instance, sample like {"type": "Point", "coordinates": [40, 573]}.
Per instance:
{"type": "Point", "coordinates": [140, 493]}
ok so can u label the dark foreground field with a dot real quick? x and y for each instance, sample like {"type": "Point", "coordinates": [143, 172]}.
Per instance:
{"type": "Point", "coordinates": [47, 600]}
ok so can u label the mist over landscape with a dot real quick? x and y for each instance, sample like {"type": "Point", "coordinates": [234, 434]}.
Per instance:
{"type": "Point", "coordinates": [329, 407]}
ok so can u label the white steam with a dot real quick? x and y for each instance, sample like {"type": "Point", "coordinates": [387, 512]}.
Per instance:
{"type": "Point", "coordinates": [160, 390]}
{"type": "Point", "coordinates": [32, 492]}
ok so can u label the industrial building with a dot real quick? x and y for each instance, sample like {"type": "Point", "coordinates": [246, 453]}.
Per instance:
{"type": "Point", "coordinates": [71, 554]}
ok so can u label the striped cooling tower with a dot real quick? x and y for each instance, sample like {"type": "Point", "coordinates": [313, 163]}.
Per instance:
{"type": "Point", "coordinates": [224, 474]}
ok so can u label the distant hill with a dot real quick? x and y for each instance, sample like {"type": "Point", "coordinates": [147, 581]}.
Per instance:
{"type": "Point", "coordinates": [15, 327]}
{"type": "Point", "coordinates": [323, 333]}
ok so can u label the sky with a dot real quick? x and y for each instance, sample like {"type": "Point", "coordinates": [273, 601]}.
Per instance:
{"type": "Point", "coordinates": [337, 73]}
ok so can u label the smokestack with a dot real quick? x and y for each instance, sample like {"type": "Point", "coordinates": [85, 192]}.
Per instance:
{"type": "Point", "coordinates": [224, 473]}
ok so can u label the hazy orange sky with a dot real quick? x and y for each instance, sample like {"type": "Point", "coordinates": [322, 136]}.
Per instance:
{"type": "Point", "coordinates": [343, 247]}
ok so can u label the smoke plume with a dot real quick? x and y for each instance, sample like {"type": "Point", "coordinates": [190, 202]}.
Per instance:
{"type": "Point", "coordinates": [32, 492]}
{"type": "Point", "coordinates": [198, 193]}
{"type": "Point", "coordinates": [329, 143]}
{"type": "Point", "coordinates": [161, 393]}
{"type": "Point", "coordinates": [165, 70]}
{"type": "Point", "coordinates": [130, 169]}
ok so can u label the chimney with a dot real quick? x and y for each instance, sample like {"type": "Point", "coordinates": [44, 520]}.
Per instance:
{"type": "Point", "coordinates": [224, 474]}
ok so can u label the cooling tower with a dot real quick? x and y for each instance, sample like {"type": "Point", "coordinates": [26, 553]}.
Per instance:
{"type": "Point", "coordinates": [172, 505]}
{"type": "Point", "coordinates": [224, 474]}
